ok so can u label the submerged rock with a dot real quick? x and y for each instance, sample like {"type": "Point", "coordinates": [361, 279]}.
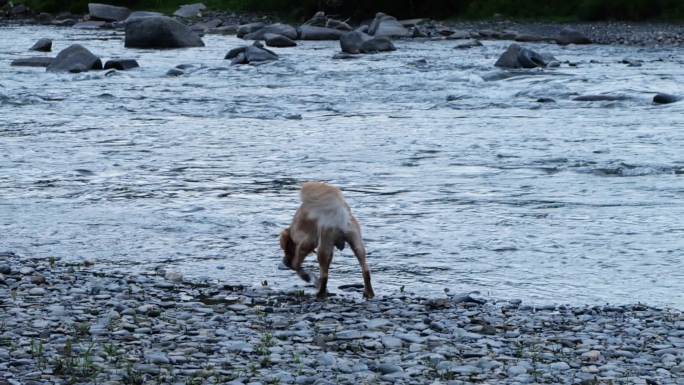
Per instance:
{"type": "Point", "coordinates": [75, 58]}
{"type": "Point", "coordinates": [160, 32]}
{"type": "Point", "coordinates": [93, 24]}
{"type": "Point", "coordinates": [107, 12]}
{"type": "Point", "coordinates": [38, 61]}
{"type": "Point", "coordinates": [520, 57]}
{"type": "Point", "coordinates": [468, 44]}
{"type": "Point", "coordinates": [42, 45]}
{"type": "Point", "coordinates": [121, 64]}
{"type": "Point", "coordinates": [662, 98]}
{"type": "Point", "coordinates": [600, 98]}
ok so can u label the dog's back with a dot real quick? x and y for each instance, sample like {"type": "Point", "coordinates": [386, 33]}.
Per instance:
{"type": "Point", "coordinates": [324, 204]}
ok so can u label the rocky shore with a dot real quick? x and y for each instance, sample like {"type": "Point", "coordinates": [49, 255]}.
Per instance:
{"type": "Point", "coordinates": [78, 323]}
{"type": "Point", "coordinates": [207, 21]}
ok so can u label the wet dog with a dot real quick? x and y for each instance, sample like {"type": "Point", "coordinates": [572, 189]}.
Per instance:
{"type": "Point", "coordinates": [322, 222]}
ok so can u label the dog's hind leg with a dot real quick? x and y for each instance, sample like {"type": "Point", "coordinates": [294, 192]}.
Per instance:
{"type": "Point", "coordinates": [325, 254]}
{"type": "Point", "coordinates": [356, 243]}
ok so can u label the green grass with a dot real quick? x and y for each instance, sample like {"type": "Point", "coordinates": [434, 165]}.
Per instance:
{"type": "Point", "coordinates": [439, 9]}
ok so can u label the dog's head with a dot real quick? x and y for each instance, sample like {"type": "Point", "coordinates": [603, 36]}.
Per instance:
{"type": "Point", "coordinates": [288, 246]}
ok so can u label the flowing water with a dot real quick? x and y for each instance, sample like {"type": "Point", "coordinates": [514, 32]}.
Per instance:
{"type": "Point", "coordinates": [459, 180]}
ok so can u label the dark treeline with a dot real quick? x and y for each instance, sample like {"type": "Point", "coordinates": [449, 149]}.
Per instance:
{"type": "Point", "coordinates": [439, 9]}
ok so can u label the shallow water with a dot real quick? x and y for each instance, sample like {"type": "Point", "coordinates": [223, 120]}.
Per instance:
{"type": "Point", "coordinates": [566, 202]}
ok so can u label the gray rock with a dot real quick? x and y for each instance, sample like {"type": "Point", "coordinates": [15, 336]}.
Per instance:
{"type": "Point", "coordinates": [327, 359]}
{"type": "Point", "coordinates": [121, 64]}
{"type": "Point", "coordinates": [42, 45]}
{"type": "Point", "coordinates": [158, 358]}
{"type": "Point", "coordinates": [377, 44]}
{"type": "Point", "coordinates": [274, 40]}
{"type": "Point", "coordinates": [75, 58]}
{"type": "Point", "coordinates": [246, 29]}
{"type": "Point", "coordinates": [385, 25]}
{"type": "Point", "coordinates": [94, 24]}
{"type": "Point", "coordinates": [665, 98]}
{"type": "Point", "coordinates": [390, 342]}
{"type": "Point", "coordinates": [351, 42]}
{"type": "Point", "coordinates": [107, 12]}
{"type": "Point", "coordinates": [138, 15]}
{"type": "Point", "coordinates": [255, 53]}
{"type": "Point", "coordinates": [6, 269]}
{"type": "Point", "coordinates": [468, 44]}
{"type": "Point", "coordinates": [569, 35]}
{"type": "Point", "coordinates": [388, 368]}
{"type": "Point", "coordinates": [311, 32]}
{"type": "Point", "coordinates": [160, 32]}
{"type": "Point", "coordinates": [190, 10]}
{"type": "Point", "coordinates": [601, 98]}
{"type": "Point", "coordinates": [519, 57]}
{"type": "Point", "coordinates": [279, 29]}
{"type": "Point", "coordinates": [37, 291]}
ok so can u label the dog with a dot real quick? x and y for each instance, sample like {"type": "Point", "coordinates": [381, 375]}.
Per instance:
{"type": "Point", "coordinates": [322, 222]}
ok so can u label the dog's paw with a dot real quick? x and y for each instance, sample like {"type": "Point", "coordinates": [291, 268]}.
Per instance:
{"type": "Point", "coordinates": [304, 275]}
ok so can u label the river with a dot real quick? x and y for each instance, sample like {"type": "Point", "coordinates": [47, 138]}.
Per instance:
{"type": "Point", "coordinates": [459, 182]}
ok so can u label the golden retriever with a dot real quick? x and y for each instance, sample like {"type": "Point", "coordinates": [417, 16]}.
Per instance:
{"type": "Point", "coordinates": [323, 221]}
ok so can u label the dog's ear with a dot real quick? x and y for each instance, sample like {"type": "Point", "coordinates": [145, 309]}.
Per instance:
{"type": "Point", "coordinates": [288, 246]}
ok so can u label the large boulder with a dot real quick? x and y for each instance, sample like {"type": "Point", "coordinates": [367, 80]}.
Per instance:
{"type": "Point", "coordinates": [572, 36]}
{"type": "Point", "coordinates": [278, 28]}
{"type": "Point", "coordinates": [255, 53]}
{"type": "Point", "coordinates": [351, 42]}
{"type": "Point", "coordinates": [190, 10]}
{"type": "Point", "coordinates": [75, 58]}
{"type": "Point", "coordinates": [273, 40]}
{"type": "Point", "coordinates": [107, 12]}
{"type": "Point", "coordinates": [311, 32]}
{"type": "Point", "coordinates": [42, 45]}
{"type": "Point", "coordinates": [377, 44]}
{"type": "Point", "coordinates": [386, 25]}
{"type": "Point", "coordinates": [358, 42]}
{"type": "Point", "coordinates": [37, 61]}
{"type": "Point", "coordinates": [139, 15]}
{"type": "Point", "coordinates": [520, 57]}
{"type": "Point", "coordinates": [160, 32]}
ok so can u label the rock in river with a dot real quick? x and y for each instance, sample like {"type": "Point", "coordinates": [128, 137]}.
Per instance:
{"type": "Point", "coordinates": [665, 98]}
{"type": "Point", "coordinates": [255, 53]}
{"type": "Point", "coordinates": [311, 32]}
{"type": "Point", "coordinates": [37, 61]}
{"type": "Point", "coordinates": [75, 58]}
{"type": "Point", "coordinates": [359, 42]}
{"type": "Point", "coordinates": [160, 32]}
{"type": "Point", "coordinates": [121, 64]}
{"type": "Point", "coordinates": [280, 29]}
{"type": "Point", "coordinates": [190, 10]}
{"type": "Point", "coordinates": [386, 25]}
{"type": "Point", "coordinates": [42, 45]}
{"type": "Point", "coordinates": [107, 12]}
{"type": "Point", "coordinates": [520, 57]}
{"type": "Point", "coordinates": [275, 40]}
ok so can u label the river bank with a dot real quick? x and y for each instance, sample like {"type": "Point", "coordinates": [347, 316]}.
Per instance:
{"type": "Point", "coordinates": [643, 34]}
{"type": "Point", "coordinates": [65, 322]}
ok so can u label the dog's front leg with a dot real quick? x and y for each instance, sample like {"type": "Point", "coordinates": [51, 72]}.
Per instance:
{"type": "Point", "coordinates": [301, 252]}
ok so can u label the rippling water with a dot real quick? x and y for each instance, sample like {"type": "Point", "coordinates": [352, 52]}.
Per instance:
{"type": "Point", "coordinates": [572, 202]}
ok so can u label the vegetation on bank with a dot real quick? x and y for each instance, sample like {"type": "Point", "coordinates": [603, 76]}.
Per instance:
{"type": "Point", "coordinates": [440, 9]}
